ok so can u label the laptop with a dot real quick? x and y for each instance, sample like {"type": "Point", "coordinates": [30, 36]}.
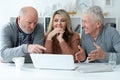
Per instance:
{"type": "Point", "coordinates": [53, 61]}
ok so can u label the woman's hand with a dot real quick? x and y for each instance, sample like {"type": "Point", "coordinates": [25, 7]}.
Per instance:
{"type": "Point", "coordinates": [60, 36]}
{"type": "Point", "coordinates": [58, 32]}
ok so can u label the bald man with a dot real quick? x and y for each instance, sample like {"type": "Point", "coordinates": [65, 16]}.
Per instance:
{"type": "Point", "coordinates": [22, 37]}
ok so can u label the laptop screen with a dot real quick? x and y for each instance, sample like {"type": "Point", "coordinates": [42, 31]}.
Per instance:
{"type": "Point", "coordinates": [53, 61]}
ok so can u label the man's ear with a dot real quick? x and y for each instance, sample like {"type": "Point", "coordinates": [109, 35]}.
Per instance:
{"type": "Point", "coordinates": [18, 19]}
{"type": "Point", "coordinates": [99, 23]}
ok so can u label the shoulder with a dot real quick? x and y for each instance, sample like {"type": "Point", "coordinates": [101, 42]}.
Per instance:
{"type": "Point", "coordinates": [110, 30]}
{"type": "Point", "coordinates": [111, 33]}
{"type": "Point", "coordinates": [75, 35]}
{"type": "Point", "coordinates": [39, 27]}
{"type": "Point", "coordinates": [9, 27]}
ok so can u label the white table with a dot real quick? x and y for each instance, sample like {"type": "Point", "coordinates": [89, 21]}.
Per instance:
{"type": "Point", "coordinates": [9, 72]}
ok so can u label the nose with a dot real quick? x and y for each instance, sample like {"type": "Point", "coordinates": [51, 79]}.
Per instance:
{"type": "Point", "coordinates": [59, 22]}
{"type": "Point", "coordinates": [32, 26]}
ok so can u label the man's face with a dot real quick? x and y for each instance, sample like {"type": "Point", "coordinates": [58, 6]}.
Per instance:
{"type": "Point", "coordinates": [27, 23]}
{"type": "Point", "coordinates": [89, 24]}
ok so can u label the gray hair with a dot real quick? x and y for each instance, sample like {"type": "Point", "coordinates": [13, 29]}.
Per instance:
{"type": "Point", "coordinates": [97, 12]}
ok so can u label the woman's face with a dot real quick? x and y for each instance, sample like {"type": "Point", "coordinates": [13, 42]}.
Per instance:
{"type": "Point", "coordinates": [59, 21]}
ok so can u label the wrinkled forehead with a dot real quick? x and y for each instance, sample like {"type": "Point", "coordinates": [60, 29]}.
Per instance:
{"type": "Point", "coordinates": [89, 16]}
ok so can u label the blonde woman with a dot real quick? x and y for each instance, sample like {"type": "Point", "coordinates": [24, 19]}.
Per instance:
{"type": "Point", "coordinates": [60, 38]}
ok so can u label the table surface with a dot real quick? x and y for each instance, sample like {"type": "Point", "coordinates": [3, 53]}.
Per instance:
{"type": "Point", "coordinates": [9, 72]}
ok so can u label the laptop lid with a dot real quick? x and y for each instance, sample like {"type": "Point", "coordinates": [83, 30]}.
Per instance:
{"type": "Point", "coordinates": [53, 61]}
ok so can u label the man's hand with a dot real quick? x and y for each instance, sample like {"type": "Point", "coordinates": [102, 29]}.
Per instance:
{"type": "Point", "coordinates": [35, 48]}
{"type": "Point", "coordinates": [80, 55]}
{"type": "Point", "coordinates": [96, 54]}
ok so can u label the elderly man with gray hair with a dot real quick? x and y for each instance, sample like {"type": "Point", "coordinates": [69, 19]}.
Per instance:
{"type": "Point", "coordinates": [98, 40]}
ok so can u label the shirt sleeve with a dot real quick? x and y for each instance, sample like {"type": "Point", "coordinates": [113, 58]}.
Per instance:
{"type": "Point", "coordinates": [72, 46]}
{"type": "Point", "coordinates": [116, 44]}
{"type": "Point", "coordinates": [48, 46]}
{"type": "Point", "coordinates": [7, 49]}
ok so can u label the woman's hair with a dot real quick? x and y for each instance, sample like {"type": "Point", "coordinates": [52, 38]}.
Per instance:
{"type": "Point", "coordinates": [68, 31]}
{"type": "Point", "coordinates": [97, 13]}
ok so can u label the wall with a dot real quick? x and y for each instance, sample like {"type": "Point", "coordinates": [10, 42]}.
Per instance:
{"type": "Point", "coordinates": [113, 11]}
{"type": "Point", "coordinates": [10, 8]}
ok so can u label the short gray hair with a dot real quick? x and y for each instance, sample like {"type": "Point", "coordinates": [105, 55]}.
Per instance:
{"type": "Point", "coordinates": [97, 12]}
